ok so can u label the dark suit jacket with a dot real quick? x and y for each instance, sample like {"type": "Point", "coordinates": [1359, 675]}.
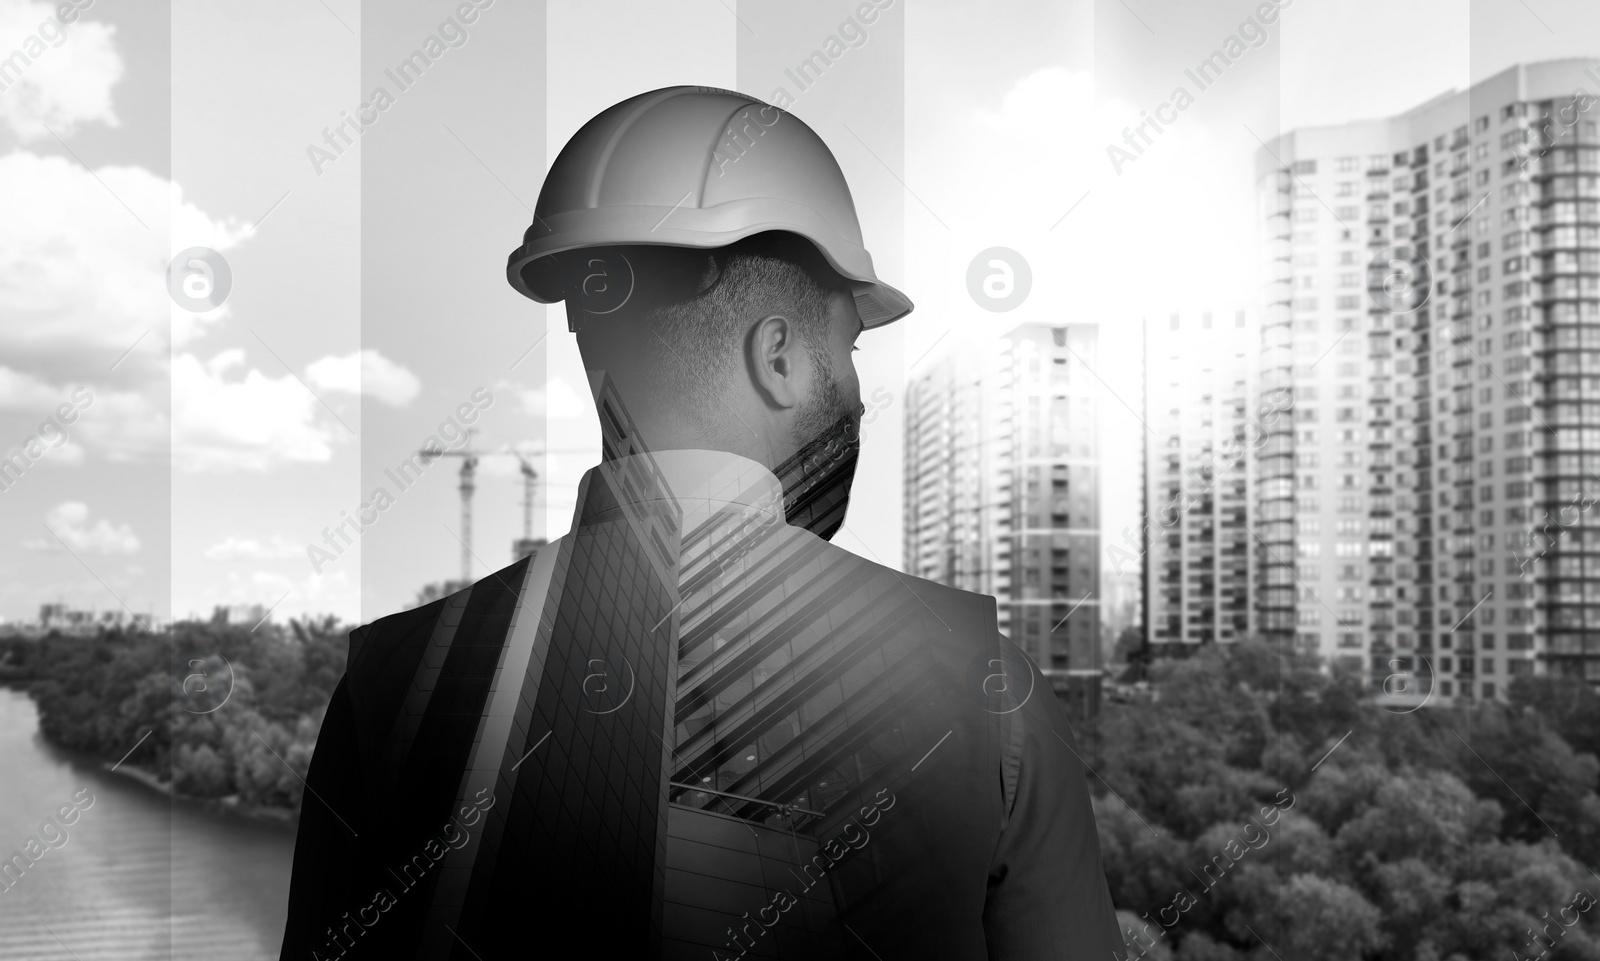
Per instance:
{"type": "Point", "coordinates": [852, 763]}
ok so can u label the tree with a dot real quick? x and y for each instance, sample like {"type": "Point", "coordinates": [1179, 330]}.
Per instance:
{"type": "Point", "coordinates": [433, 592]}
{"type": "Point", "coordinates": [1313, 918]}
{"type": "Point", "coordinates": [1403, 843]}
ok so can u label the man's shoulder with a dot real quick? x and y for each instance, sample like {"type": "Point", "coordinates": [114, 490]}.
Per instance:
{"type": "Point", "coordinates": [377, 643]}
{"type": "Point", "coordinates": [968, 616]}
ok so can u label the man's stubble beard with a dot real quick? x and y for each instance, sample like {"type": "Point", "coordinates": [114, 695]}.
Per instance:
{"type": "Point", "coordinates": [817, 478]}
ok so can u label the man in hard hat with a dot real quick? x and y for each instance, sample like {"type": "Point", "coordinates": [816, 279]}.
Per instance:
{"type": "Point", "coordinates": [693, 727]}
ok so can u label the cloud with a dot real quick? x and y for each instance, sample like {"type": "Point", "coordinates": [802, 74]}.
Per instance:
{"type": "Point", "coordinates": [23, 391]}
{"type": "Point", "coordinates": [556, 399]}
{"type": "Point", "coordinates": [69, 522]}
{"type": "Point", "coordinates": [239, 548]}
{"type": "Point", "coordinates": [118, 425]}
{"type": "Point", "coordinates": [127, 425]}
{"type": "Point", "coordinates": [1031, 108]}
{"type": "Point", "coordinates": [252, 423]}
{"type": "Point", "coordinates": [365, 372]}
{"type": "Point", "coordinates": [220, 417]}
{"type": "Point", "coordinates": [67, 454]}
{"type": "Point", "coordinates": [66, 72]}
{"type": "Point", "coordinates": [83, 279]}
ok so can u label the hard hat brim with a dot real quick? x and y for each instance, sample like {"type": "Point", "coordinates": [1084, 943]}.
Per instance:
{"type": "Point", "coordinates": [705, 228]}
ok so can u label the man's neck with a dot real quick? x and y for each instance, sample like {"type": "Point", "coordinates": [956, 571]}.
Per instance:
{"type": "Point", "coordinates": [706, 481]}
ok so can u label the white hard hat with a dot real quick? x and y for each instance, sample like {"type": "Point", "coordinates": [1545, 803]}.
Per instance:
{"type": "Point", "coordinates": [696, 167]}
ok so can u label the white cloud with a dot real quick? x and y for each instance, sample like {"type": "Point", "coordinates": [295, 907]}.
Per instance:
{"type": "Point", "coordinates": [275, 547]}
{"type": "Point", "coordinates": [79, 272]}
{"type": "Point", "coordinates": [119, 425]}
{"type": "Point", "coordinates": [221, 418]}
{"type": "Point", "coordinates": [23, 391]}
{"type": "Point", "coordinates": [69, 522]}
{"type": "Point", "coordinates": [252, 423]}
{"type": "Point", "coordinates": [127, 426]}
{"type": "Point", "coordinates": [67, 454]}
{"type": "Point", "coordinates": [556, 399]}
{"type": "Point", "coordinates": [1031, 110]}
{"type": "Point", "coordinates": [366, 372]}
{"type": "Point", "coordinates": [67, 71]}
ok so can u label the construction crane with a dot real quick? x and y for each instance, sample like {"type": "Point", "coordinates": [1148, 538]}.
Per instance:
{"type": "Point", "coordinates": [526, 545]}
{"type": "Point", "coordinates": [469, 467]}
{"type": "Point", "coordinates": [520, 547]}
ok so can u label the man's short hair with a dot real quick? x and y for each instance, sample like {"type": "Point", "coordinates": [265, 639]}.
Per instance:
{"type": "Point", "coordinates": [691, 308]}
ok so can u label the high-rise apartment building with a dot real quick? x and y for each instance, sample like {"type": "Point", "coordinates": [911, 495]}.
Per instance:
{"type": "Point", "coordinates": [1429, 438]}
{"type": "Point", "coordinates": [1200, 410]}
{"type": "Point", "coordinates": [1002, 478]}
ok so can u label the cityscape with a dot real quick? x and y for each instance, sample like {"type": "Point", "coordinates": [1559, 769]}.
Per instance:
{"type": "Point", "coordinates": [1384, 461]}
{"type": "Point", "coordinates": [1252, 390]}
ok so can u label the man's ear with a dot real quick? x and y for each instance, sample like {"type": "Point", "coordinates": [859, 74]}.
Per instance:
{"type": "Point", "coordinates": [777, 360]}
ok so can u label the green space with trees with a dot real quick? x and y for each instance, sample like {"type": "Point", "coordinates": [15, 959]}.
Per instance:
{"type": "Point", "coordinates": [102, 695]}
{"type": "Point", "coordinates": [1444, 834]}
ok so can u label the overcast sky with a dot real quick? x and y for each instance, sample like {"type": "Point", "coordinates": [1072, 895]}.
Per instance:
{"type": "Point", "coordinates": [369, 298]}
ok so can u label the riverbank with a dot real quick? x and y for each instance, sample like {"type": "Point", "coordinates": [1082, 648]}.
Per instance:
{"type": "Point", "coordinates": [231, 803]}
{"type": "Point", "coordinates": [106, 697]}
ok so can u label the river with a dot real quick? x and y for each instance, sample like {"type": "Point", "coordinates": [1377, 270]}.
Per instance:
{"type": "Point", "coordinates": [140, 876]}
